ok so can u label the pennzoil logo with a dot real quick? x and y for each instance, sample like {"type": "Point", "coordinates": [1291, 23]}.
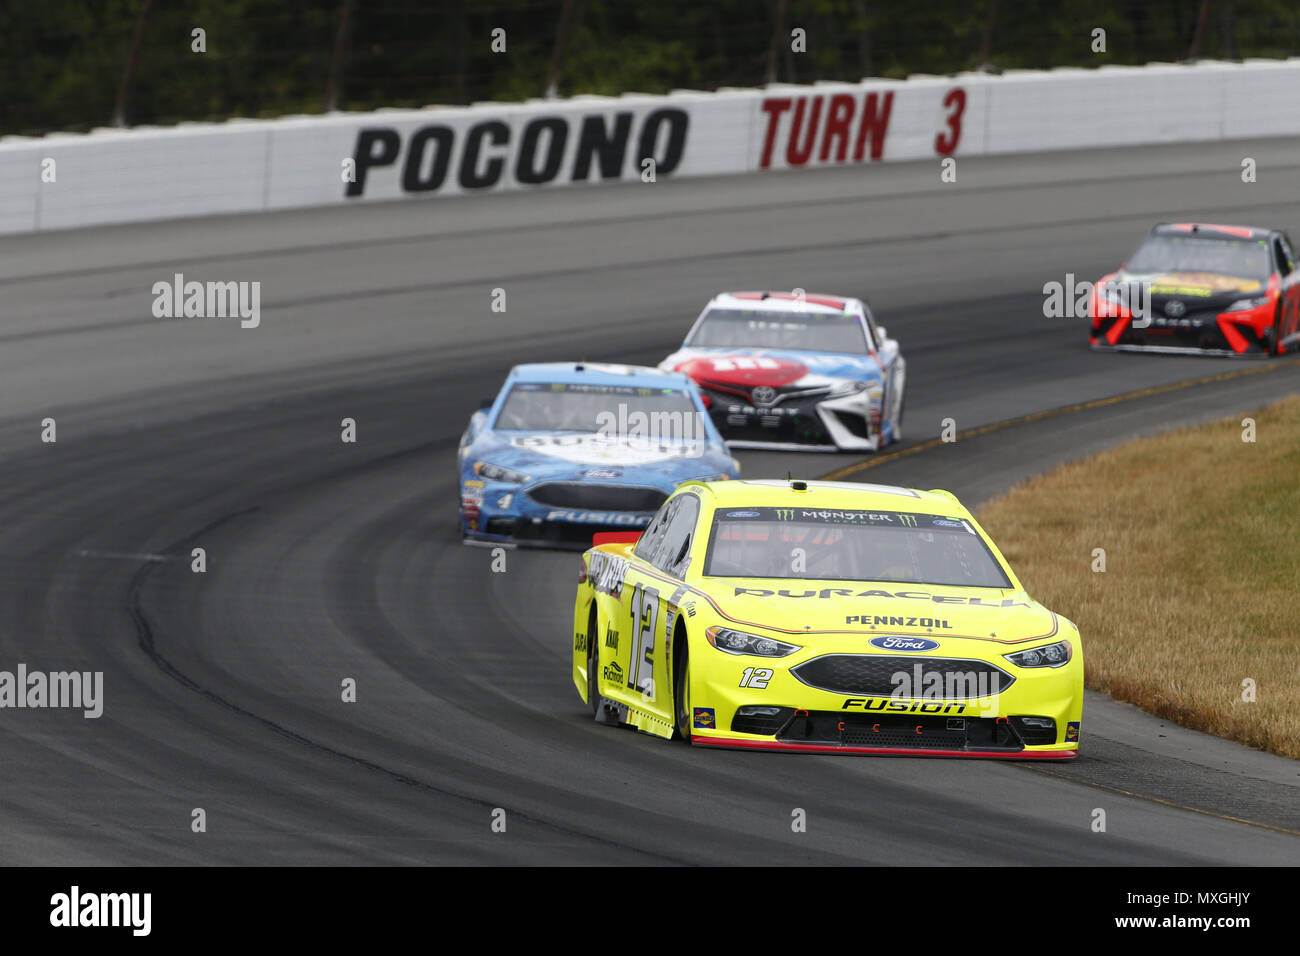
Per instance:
{"type": "Point", "coordinates": [898, 620]}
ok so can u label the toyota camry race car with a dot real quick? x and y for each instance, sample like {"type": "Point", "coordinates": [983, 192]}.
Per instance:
{"type": "Point", "coordinates": [824, 617]}
{"type": "Point", "coordinates": [1203, 289]}
{"type": "Point", "coordinates": [569, 449]}
{"type": "Point", "coordinates": [795, 371]}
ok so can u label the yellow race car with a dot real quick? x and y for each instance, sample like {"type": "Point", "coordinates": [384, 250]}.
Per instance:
{"type": "Point", "coordinates": [823, 617]}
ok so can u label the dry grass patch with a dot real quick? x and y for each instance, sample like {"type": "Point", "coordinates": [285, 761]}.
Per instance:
{"type": "Point", "coordinates": [1201, 590]}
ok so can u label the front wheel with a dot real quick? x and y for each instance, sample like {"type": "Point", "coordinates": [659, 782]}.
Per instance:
{"type": "Point", "coordinates": [682, 693]}
{"type": "Point", "coordinates": [897, 430]}
{"type": "Point", "coordinates": [900, 386]}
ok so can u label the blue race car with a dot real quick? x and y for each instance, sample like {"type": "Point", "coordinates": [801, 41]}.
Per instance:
{"type": "Point", "coordinates": [569, 449]}
{"type": "Point", "coordinates": [795, 371]}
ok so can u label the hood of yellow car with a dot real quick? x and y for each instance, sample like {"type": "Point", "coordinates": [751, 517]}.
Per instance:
{"type": "Point", "coordinates": [873, 609]}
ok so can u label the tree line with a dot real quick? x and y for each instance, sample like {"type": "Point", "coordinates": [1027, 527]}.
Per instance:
{"type": "Point", "coordinates": [79, 64]}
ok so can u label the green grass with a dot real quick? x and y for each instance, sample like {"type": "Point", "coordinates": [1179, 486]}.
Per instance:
{"type": "Point", "coordinates": [1202, 584]}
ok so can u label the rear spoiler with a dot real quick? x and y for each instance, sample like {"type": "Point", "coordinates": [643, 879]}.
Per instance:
{"type": "Point", "coordinates": [615, 537]}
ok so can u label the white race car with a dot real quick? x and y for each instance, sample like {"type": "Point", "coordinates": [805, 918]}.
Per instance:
{"type": "Point", "coordinates": [795, 371]}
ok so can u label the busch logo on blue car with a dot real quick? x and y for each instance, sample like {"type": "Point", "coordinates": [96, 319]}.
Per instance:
{"type": "Point", "coordinates": [904, 643]}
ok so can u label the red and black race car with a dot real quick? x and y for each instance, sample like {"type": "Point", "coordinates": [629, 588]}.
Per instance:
{"type": "Point", "coordinates": [1200, 288]}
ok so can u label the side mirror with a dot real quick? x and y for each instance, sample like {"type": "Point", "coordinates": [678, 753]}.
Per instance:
{"type": "Point", "coordinates": [880, 329]}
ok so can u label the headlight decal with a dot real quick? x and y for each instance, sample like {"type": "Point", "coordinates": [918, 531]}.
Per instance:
{"type": "Point", "coordinates": [493, 472]}
{"type": "Point", "coordinates": [1242, 305]}
{"type": "Point", "coordinates": [738, 642]}
{"type": "Point", "coordinates": [1050, 655]}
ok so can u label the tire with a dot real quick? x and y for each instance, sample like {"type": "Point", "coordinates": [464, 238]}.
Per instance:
{"type": "Point", "coordinates": [1273, 346]}
{"type": "Point", "coordinates": [593, 662]}
{"type": "Point", "coordinates": [681, 690]}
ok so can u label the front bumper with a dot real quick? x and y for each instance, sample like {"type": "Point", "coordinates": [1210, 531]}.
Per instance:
{"type": "Point", "coordinates": [1248, 332]}
{"type": "Point", "coordinates": [1035, 754]}
{"type": "Point", "coordinates": [829, 732]}
{"type": "Point", "coordinates": [789, 714]}
{"type": "Point", "coordinates": [504, 514]}
{"type": "Point", "coordinates": [841, 423]}
{"type": "Point", "coordinates": [542, 532]}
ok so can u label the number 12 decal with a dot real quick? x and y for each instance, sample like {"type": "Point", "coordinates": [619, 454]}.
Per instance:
{"type": "Point", "coordinates": [756, 677]}
{"type": "Point", "coordinates": [645, 611]}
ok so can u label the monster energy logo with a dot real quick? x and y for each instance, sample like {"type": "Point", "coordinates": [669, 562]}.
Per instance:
{"type": "Point", "coordinates": [908, 521]}
{"type": "Point", "coordinates": [784, 514]}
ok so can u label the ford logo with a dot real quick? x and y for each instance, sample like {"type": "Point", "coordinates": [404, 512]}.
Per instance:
{"type": "Point", "coordinates": [764, 395]}
{"type": "Point", "coordinates": [603, 473]}
{"type": "Point", "coordinates": [904, 643]}
{"type": "Point", "coordinates": [742, 514]}
{"type": "Point", "coordinates": [1175, 308]}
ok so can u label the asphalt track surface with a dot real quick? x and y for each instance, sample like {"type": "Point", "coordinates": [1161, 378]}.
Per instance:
{"type": "Point", "coordinates": [327, 561]}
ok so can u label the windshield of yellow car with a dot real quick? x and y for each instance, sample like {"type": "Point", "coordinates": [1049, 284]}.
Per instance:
{"type": "Point", "coordinates": [850, 545]}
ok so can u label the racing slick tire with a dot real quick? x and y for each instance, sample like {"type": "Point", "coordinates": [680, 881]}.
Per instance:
{"type": "Point", "coordinates": [593, 662]}
{"type": "Point", "coordinates": [681, 689]}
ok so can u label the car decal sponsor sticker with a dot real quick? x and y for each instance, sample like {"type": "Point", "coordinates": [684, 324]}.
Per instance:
{"type": "Point", "coordinates": [875, 592]}
{"type": "Point", "coordinates": [898, 643]}
{"type": "Point", "coordinates": [904, 706]}
{"type": "Point", "coordinates": [606, 572]}
{"type": "Point", "coordinates": [898, 620]}
{"type": "Point", "coordinates": [626, 519]}
{"type": "Point", "coordinates": [705, 718]}
{"type": "Point", "coordinates": [1072, 732]}
{"type": "Point", "coordinates": [592, 448]}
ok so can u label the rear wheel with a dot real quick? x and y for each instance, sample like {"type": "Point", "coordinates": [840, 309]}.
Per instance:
{"type": "Point", "coordinates": [682, 687]}
{"type": "Point", "coordinates": [593, 662]}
